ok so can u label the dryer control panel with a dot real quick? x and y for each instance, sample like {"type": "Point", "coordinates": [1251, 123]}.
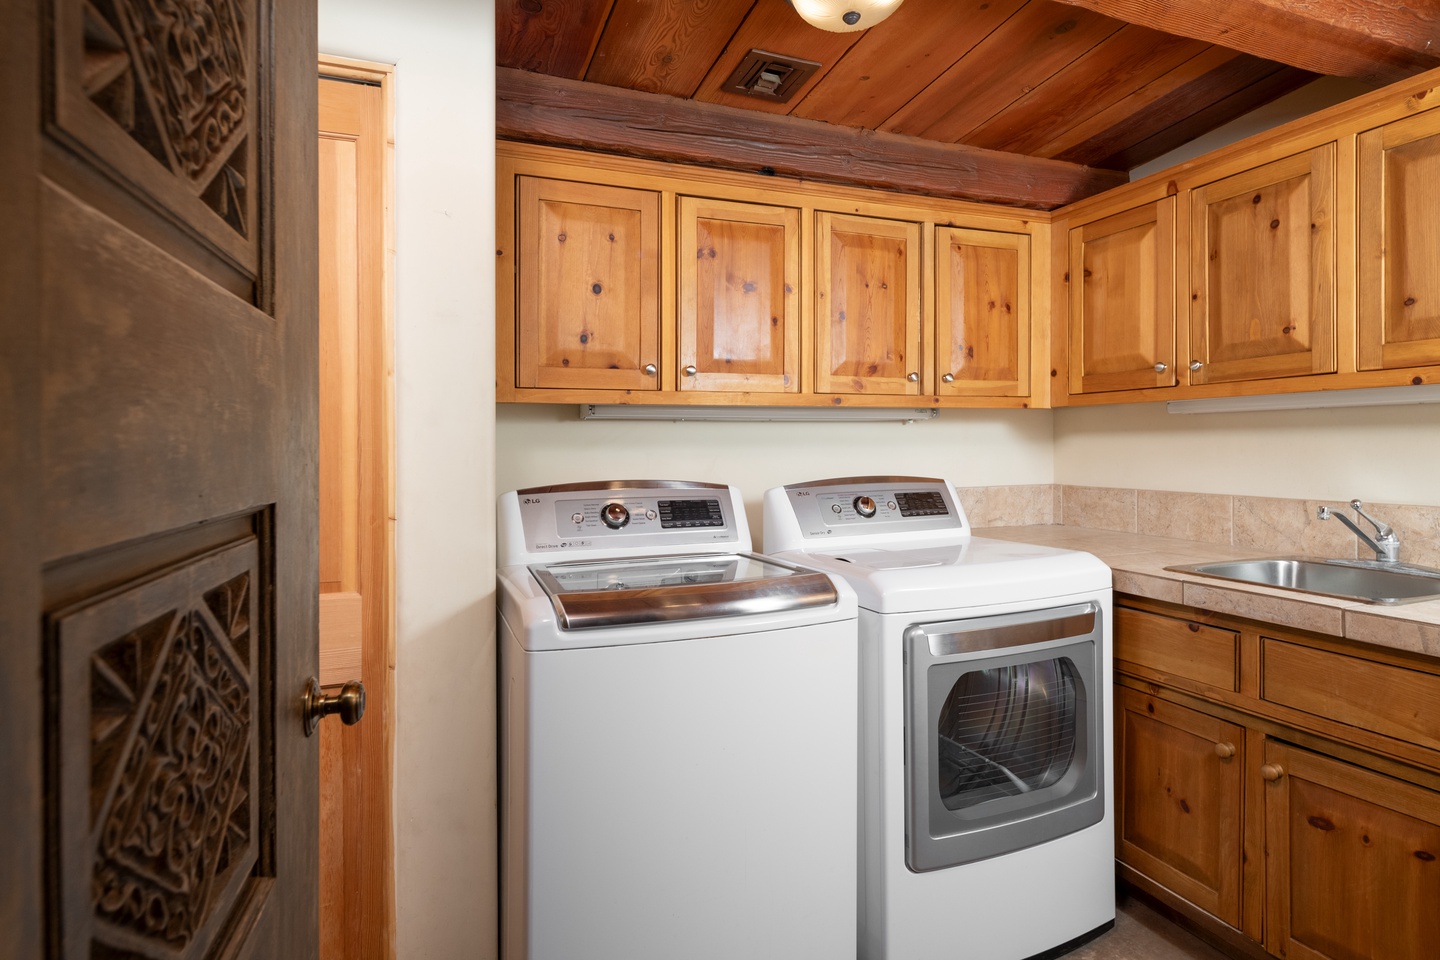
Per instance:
{"type": "Point", "coordinates": [863, 509]}
{"type": "Point", "coordinates": [620, 518]}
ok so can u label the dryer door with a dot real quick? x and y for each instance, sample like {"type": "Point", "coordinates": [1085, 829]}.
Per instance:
{"type": "Point", "coordinates": [1003, 729]}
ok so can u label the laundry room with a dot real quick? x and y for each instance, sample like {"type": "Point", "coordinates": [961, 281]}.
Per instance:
{"type": "Point", "coordinates": [1236, 482]}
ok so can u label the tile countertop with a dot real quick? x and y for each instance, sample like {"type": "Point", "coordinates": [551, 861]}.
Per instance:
{"type": "Point", "coordinates": [1138, 563]}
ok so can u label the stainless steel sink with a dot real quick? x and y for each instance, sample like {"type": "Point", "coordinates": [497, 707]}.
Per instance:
{"type": "Point", "coordinates": [1366, 580]}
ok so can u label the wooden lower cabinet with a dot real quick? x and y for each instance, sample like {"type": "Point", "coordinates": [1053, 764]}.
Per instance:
{"type": "Point", "coordinates": [1352, 861]}
{"type": "Point", "coordinates": [1273, 824]}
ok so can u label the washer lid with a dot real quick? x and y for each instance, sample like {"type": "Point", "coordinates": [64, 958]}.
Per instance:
{"type": "Point", "coordinates": [608, 593]}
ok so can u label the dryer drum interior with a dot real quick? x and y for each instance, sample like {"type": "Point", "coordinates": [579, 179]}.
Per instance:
{"type": "Point", "coordinates": [1002, 738]}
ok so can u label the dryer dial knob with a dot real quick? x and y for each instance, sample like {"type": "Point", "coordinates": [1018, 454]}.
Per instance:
{"type": "Point", "coordinates": [865, 506]}
{"type": "Point", "coordinates": [615, 515]}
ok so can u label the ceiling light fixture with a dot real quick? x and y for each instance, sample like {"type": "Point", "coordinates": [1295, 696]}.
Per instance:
{"type": "Point", "coordinates": [844, 16]}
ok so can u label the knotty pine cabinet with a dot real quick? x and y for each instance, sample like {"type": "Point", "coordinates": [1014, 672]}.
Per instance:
{"type": "Point", "coordinates": [1262, 271]}
{"type": "Point", "coordinates": [867, 306]}
{"type": "Point", "coordinates": [1399, 245]}
{"type": "Point", "coordinates": [1280, 789]}
{"type": "Point", "coordinates": [739, 311]}
{"type": "Point", "coordinates": [1121, 282]}
{"type": "Point", "coordinates": [628, 281]}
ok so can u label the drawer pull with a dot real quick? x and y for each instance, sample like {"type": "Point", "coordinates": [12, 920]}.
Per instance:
{"type": "Point", "coordinates": [1224, 750]}
{"type": "Point", "coordinates": [1271, 772]}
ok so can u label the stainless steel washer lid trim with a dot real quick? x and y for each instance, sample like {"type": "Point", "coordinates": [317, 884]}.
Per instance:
{"type": "Point", "coordinates": [595, 486]}
{"type": "Point", "coordinates": [796, 589]}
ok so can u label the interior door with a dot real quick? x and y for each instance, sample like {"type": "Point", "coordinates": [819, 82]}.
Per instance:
{"type": "Point", "coordinates": [157, 491]}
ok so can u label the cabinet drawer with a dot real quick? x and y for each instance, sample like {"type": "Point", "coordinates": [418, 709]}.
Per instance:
{"type": "Point", "coordinates": [1181, 649]}
{"type": "Point", "coordinates": [1386, 699]}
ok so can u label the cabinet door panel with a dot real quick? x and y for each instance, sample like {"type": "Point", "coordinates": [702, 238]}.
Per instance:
{"type": "Point", "coordinates": [1263, 272]}
{"type": "Point", "coordinates": [1122, 301]}
{"type": "Point", "coordinates": [1179, 803]}
{"type": "Point", "coordinates": [1399, 224]}
{"type": "Point", "coordinates": [739, 297]}
{"type": "Point", "coordinates": [982, 313]}
{"type": "Point", "coordinates": [867, 306]}
{"type": "Point", "coordinates": [1353, 862]}
{"type": "Point", "coordinates": [589, 286]}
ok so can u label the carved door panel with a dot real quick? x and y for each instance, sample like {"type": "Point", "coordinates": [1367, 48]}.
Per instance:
{"type": "Point", "coordinates": [589, 314]}
{"type": "Point", "coordinates": [739, 317]}
{"type": "Point", "coordinates": [867, 306]}
{"type": "Point", "coordinates": [1399, 245]}
{"type": "Point", "coordinates": [1122, 300]}
{"type": "Point", "coordinates": [982, 313]}
{"type": "Point", "coordinates": [1262, 271]}
{"type": "Point", "coordinates": [157, 494]}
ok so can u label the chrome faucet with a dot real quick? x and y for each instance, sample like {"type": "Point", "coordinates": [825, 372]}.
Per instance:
{"type": "Point", "coordinates": [1386, 545]}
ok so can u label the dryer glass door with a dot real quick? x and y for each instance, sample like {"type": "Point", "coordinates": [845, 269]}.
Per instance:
{"type": "Point", "coordinates": [1002, 734]}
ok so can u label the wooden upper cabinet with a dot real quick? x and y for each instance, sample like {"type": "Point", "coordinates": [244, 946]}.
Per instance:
{"type": "Point", "coordinates": [1122, 300]}
{"type": "Point", "coordinates": [589, 286]}
{"type": "Point", "coordinates": [982, 313]}
{"type": "Point", "coordinates": [1399, 244]}
{"type": "Point", "coordinates": [739, 310]}
{"type": "Point", "coordinates": [1263, 271]}
{"type": "Point", "coordinates": [867, 306]}
{"type": "Point", "coordinates": [1350, 860]}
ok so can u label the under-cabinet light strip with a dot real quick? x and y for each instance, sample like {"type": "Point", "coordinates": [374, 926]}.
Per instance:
{"type": "Point", "coordinates": [1365, 397]}
{"type": "Point", "coordinates": [623, 411]}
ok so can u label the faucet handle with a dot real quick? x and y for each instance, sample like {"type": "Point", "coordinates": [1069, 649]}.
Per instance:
{"type": "Point", "coordinates": [1384, 531]}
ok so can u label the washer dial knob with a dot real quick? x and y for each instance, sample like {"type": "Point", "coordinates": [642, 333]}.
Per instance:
{"type": "Point", "coordinates": [865, 506]}
{"type": "Point", "coordinates": [615, 515]}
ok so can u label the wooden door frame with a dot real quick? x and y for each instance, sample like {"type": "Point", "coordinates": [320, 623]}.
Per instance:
{"type": "Point", "coordinates": [367, 790]}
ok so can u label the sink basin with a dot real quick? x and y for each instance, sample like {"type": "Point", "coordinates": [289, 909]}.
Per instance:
{"type": "Point", "coordinates": [1365, 580]}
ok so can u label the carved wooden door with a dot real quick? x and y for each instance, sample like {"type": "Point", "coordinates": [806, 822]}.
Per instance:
{"type": "Point", "coordinates": [157, 486]}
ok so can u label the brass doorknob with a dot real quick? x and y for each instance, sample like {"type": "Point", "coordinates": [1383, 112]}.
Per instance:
{"type": "Point", "coordinates": [1272, 772]}
{"type": "Point", "coordinates": [349, 704]}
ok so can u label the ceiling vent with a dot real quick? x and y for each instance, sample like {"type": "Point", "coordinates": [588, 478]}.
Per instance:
{"type": "Point", "coordinates": [769, 76]}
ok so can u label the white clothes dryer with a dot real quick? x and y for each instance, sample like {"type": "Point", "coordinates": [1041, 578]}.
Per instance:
{"type": "Point", "coordinates": [678, 716]}
{"type": "Point", "coordinates": [986, 806]}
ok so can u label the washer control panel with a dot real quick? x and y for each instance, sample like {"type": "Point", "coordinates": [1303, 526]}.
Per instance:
{"type": "Point", "coordinates": [622, 515]}
{"type": "Point", "coordinates": [879, 506]}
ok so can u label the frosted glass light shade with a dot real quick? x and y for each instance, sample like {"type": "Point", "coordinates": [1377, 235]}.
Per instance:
{"type": "Point", "coordinates": [844, 16]}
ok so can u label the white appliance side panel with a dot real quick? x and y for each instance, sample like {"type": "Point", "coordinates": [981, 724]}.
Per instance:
{"type": "Point", "coordinates": [1004, 908]}
{"type": "Point", "coordinates": [690, 799]}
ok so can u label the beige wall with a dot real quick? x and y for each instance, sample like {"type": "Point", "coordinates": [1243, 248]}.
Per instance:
{"type": "Point", "coordinates": [1384, 454]}
{"type": "Point", "coordinates": [543, 443]}
{"type": "Point", "coordinates": [445, 871]}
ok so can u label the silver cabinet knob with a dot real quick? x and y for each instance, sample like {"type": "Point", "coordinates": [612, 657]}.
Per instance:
{"type": "Point", "coordinates": [349, 704]}
{"type": "Point", "coordinates": [1161, 367]}
{"type": "Point", "coordinates": [690, 370]}
{"type": "Point", "coordinates": [650, 369]}
{"type": "Point", "coordinates": [948, 378]}
{"type": "Point", "coordinates": [1196, 364]}
{"type": "Point", "coordinates": [913, 378]}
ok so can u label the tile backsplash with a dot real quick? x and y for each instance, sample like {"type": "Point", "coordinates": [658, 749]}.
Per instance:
{"type": "Point", "coordinates": [1265, 525]}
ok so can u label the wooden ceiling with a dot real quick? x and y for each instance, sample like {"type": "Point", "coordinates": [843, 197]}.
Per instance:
{"type": "Point", "coordinates": [1030, 102]}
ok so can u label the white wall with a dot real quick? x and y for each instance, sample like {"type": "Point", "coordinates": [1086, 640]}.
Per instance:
{"type": "Point", "coordinates": [444, 51]}
{"type": "Point", "coordinates": [542, 443]}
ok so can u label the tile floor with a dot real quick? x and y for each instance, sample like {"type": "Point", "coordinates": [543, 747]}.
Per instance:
{"type": "Point", "coordinates": [1142, 934]}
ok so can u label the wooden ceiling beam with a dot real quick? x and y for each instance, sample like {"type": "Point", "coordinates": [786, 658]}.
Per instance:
{"type": "Point", "coordinates": [534, 108]}
{"type": "Point", "coordinates": [1375, 42]}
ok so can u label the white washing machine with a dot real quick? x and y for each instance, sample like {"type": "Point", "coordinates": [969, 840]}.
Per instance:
{"type": "Point", "coordinates": [986, 806]}
{"type": "Point", "coordinates": [678, 720]}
